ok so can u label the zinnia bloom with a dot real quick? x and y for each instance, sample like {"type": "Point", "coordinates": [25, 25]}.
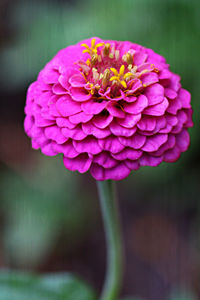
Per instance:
{"type": "Point", "coordinates": [109, 107]}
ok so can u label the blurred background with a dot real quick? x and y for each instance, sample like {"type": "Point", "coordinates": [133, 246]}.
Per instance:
{"type": "Point", "coordinates": [49, 217]}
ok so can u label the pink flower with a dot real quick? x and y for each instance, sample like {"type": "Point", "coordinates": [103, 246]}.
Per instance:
{"type": "Point", "coordinates": [109, 107]}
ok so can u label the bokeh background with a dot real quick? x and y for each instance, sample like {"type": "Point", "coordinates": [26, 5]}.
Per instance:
{"type": "Point", "coordinates": [50, 218]}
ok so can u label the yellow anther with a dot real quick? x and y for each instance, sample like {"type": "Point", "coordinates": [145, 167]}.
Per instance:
{"type": "Point", "coordinates": [106, 49]}
{"type": "Point", "coordinates": [94, 59]}
{"type": "Point", "coordinates": [106, 77]}
{"type": "Point", "coordinates": [93, 49]}
{"type": "Point", "coordinates": [120, 77]}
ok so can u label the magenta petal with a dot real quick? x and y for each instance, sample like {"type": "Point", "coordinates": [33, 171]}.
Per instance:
{"type": "Point", "coordinates": [64, 122]}
{"type": "Point", "coordinates": [155, 94]}
{"type": "Point", "coordinates": [47, 150]}
{"type": "Point", "coordinates": [128, 153]}
{"type": "Point", "coordinates": [54, 133]}
{"type": "Point", "coordinates": [185, 98]}
{"type": "Point", "coordinates": [76, 133]}
{"type": "Point", "coordinates": [105, 160]}
{"type": "Point", "coordinates": [139, 58]}
{"type": "Point", "coordinates": [132, 165]}
{"type": "Point", "coordinates": [77, 81]}
{"type": "Point", "coordinates": [80, 163]}
{"type": "Point", "coordinates": [169, 93]}
{"type": "Point", "coordinates": [67, 107]}
{"type": "Point", "coordinates": [64, 77]}
{"type": "Point", "coordinates": [111, 144]}
{"type": "Point", "coordinates": [158, 109]}
{"type": "Point", "coordinates": [80, 118]}
{"type": "Point", "coordinates": [174, 106]}
{"type": "Point", "coordinates": [92, 107]}
{"type": "Point", "coordinates": [49, 76]}
{"type": "Point", "coordinates": [115, 110]}
{"type": "Point", "coordinates": [28, 123]}
{"type": "Point", "coordinates": [91, 129]}
{"type": "Point", "coordinates": [40, 122]}
{"type": "Point", "coordinates": [183, 140]}
{"type": "Point", "coordinates": [135, 142]}
{"type": "Point", "coordinates": [118, 172]}
{"type": "Point", "coordinates": [102, 121]}
{"type": "Point", "coordinates": [89, 145]}
{"type": "Point", "coordinates": [149, 79]}
{"type": "Point", "coordinates": [148, 160]}
{"type": "Point", "coordinates": [166, 146]}
{"type": "Point", "coordinates": [119, 130]}
{"type": "Point", "coordinates": [58, 89]}
{"type": "Point", "coordinates": [79, 94]}
{"type": "Point", "coordinates": [67, 149]}
{"type": "Point", "coordinates": [43, 98]}
{"type": "Point", "coordinates": [138, 106]}
{"type": "Point", "coordinates": [136, 84]}
{"type": "Point", "coordinates": [129, 121]}
{"type": "Point", "coordinates": [172, 155]}
{"type": "Point", "coordinates": [153, 143]}
{"type": "Point", "coordinates": [147, 123]}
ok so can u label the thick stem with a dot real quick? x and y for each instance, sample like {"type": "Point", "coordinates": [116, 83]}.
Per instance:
{"type": "Point", "coordinates": [112, 285]}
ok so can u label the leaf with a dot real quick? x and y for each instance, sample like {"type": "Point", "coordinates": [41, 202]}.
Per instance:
{"type": "Point", "coordinates": [22, 286]}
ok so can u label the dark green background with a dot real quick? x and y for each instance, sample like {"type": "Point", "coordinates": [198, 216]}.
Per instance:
{"type": "Point", "coordinates": [49, 217]}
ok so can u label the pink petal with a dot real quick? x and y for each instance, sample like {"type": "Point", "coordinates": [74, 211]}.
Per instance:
{"type": "Point", "coordinates": [135, 142]}
{"type": "Point", "coordinates": [132, 165]}
{"type": "Point", "coordinates": [47, 150]}
{"type": "Point", "coordinates": [138, 106]}
{"type": "Point", "coordinates": [185, 98]}
{"type": "Point", "coordinates": [128, 153]}
{"type": "Point", "coordinates": [149, 79]}
{"type": "Point", "coordinates": [102, 121]}
{"type": "Point", "coordinates": [111, 144]}
{"type": "Point", "coordinates": [147, 123]}
{"type": "Point", "coordinates": [91, 129]}
{"type": "Point", "coordinates": [80, 94]}
{"type": "Point", "coordinates": [153, 143]}
{"type": "Point", "coordinates": [139, 58]}
{"type": "Point", "coordinates": [54, 133]}
{"type": "Point", "coordinates": [169, 93]}
{"type": "Point", "coordinates": [118, 172]}
{"type": "Point", "coordinates": [148, 160]}
{"type": "Point", "coordinates": [115, 110]}
{"type": "Point", "coordinates": [58, 89]}
{"type": "Point", "coordinates": [75, 134]}
{"type": "Point", "coordinates": [166, 146]}
{"type": "Point", "coordinates": [129, 121]}
{"type": "Point", "coordinates": [67, 149]}
{"type": "Point", "coordinates": [67, 107]}
{"type": "Point", "coordinates": [80, 163]}
{"type": "Point", "coordinates": [77, 81]}
{"type": "Point", "coordinates": [183, 140]}
{"type": "Point", "coordinates": [105, 160]}
{"type": "Point", "coordinates": [172, 155]}
{"type": "Point", "coordinates": [93, 107]}
{"type": "Point", "coordinates": [136, 84]}
{"type": "Point", "coordinates": [119, 130]}
{"type": "Point", "coordinates": [174, 106]}
{"type": "Point", "coordinates": [40, 122]}
{"type": "Point", "coordinates": [64, 77]}
{"type": "Point", "coordinates": [158, 109]}
{"type": "Point", "coordinates": [155, 94]}
{"type": "Point", "coordinates": [89, 145]}
{"type": "Point", "coordinates": [64, 122]}
{"type": "Point", "coordinates": [49, 76]}
{"type": "Point", "coordinates": [80, 118]}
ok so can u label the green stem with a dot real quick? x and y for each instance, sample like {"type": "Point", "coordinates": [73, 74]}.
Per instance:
{"type": "Point", "coordinates": [111, 221]}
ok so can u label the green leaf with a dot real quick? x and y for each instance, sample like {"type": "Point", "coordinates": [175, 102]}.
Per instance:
{"type": "Point", "coordinates": [22, 286]}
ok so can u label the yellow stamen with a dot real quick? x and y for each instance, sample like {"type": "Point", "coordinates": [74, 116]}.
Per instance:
{"type": "Point", "coordinates": [93, 49]}
{"type": "Point", "coordinates": [120, 77]}
{"type": "Point", "coordinates": [106, 49]}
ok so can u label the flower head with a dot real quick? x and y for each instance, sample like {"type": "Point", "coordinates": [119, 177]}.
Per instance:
{"type": "Point", "coordinates": [109, 107]}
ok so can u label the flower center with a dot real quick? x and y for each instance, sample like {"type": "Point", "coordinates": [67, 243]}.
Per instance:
{"type": "Point", "coordinates": [107, 72]}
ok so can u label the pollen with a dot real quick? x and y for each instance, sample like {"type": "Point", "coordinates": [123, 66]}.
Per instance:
{"type": "Point", "coordinates": [120, 77]}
